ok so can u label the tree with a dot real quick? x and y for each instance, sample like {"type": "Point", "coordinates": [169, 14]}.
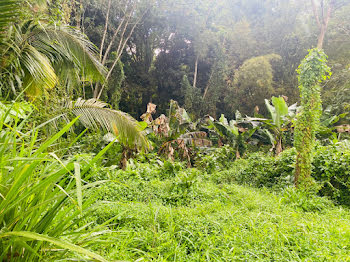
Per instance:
{"type": "Point", "coordinates": [42, 56]}
{"type": "Point", "coordinates": [253, 82]}
{"type": "Point", "coordinates": [192, 98]}
{"type": "Point", "coordinates": [311, 72]}
{"type": "Point", "coordinates": [322, 19]}
{"type": "Point", "coordinates": [119, 20]}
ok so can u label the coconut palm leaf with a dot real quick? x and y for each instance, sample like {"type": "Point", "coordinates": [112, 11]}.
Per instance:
{"type": "Point", "coordinates": [24, 66]}
{"type": "Point", "coordinates": [64, 46]}
{"type": "Point", "coordinates": [9, 10]}
{"type": "Point", "coordinates": [38, 72]}
{"type": "Point", "coordinates": [95, 114]}
{"type": "Point", "coordinates": [38, 57]}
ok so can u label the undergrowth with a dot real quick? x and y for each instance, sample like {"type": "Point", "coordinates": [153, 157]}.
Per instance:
{"type": "Point", "coordinates": [163, 211]}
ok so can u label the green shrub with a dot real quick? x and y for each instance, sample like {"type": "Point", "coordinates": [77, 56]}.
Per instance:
{"type": "Point", "coordinates": [285, 164]}
{"type": "Point", "coordinates": [260, 170]}
{"type": "Point", "coordinates": [215, 159]}
{"type": "Point", "coordinates": [304, 200]}
{"type": "Point", "coordinates": [332, 171]}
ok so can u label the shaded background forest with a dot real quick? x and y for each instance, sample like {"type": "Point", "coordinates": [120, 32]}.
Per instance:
{"type": "Point", "coordinates": [212, 57]}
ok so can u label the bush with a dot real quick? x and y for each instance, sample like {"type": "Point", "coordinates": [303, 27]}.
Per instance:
{"type": "Point", "coordinates": [214, 159]}
{"type": "Point", "coordinates": [332, 170]}
{"type": "Point", "coordinates": [260, 170]}
{"type": "Point", "coordinates": [305, 201]}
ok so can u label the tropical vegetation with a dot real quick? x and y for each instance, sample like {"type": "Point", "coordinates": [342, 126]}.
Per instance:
{"type": "Point", "coordinates": [174, 130]}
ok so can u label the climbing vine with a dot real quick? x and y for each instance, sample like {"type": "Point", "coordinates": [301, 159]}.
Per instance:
{"type": "Point", "coordinates": [311, 72]}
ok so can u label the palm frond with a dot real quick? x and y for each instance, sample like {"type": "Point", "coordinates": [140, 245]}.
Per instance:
{"type": "Point", "coordinates": [38, 72]}
{"type": "Point", "coordinates": [9, 10]}
{"type": "Point", "coordinates": [95, 114]}
{"type": "Point", "coordinates": [65, 45]}
{"type": "Point", "coordinates": [37, 57]}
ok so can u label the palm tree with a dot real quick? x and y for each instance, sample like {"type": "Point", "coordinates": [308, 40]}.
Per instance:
{"type": "Point", "coordinates": [33, 206]}
{"type": "Point", "coordinates": [36, 57]}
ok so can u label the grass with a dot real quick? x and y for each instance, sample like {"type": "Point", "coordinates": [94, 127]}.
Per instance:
{"type": "Point", "coordinates": [41, 200]}
{"type": "Point", "coordinates": [164, 220]}
{"type": "Point", "coordinates": [59, 209]}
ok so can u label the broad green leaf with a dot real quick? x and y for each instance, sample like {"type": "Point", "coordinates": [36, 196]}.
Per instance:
{"type": "Point", "coordinates": [143, 125]}
{"type": "Point", "coordinates": [223, 119]}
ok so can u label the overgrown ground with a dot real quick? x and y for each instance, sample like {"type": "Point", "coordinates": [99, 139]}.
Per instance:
{"type": "Point", "coordinates": [174, 214]}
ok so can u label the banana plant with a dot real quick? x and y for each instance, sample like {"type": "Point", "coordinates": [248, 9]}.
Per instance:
{"type": "Point", "coordinates": [232, 132]}
{"type": "Point", "coordinates": [327, 129]}
{"type": "Point", "coordinates": [280, 122]}
{"type": "Point", "coordinates": [179, 134]}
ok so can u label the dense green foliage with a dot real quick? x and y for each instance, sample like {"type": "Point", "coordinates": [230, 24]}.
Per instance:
{"type": "Point", "coordinates": [209, 173]}
{"type": "Point", "coordinates": [330, 170]}
{"type": "Point", "coordinates": [245, 51]}
{"type": "Point", "coordinates": [311, 72]}
{"type": "Point", "coordinates": [41, 198]}
{"type": "Point", "coordinates": [161, 211]}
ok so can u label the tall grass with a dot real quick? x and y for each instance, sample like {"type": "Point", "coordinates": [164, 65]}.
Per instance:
{"type": "Point", "coordinates": [156, 217]}
{"type": "Point", "coordinates": [41, 199]}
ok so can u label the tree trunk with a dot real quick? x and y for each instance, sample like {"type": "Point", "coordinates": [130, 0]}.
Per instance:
{"type": "Point", "coordinates": [116, 32]}
{"type": "Point", "coordinates": [78, 13]}
{"type": "Point", "coordinates": [321, 37]}
{"type": "Point", "coordinates": [279, 146]}
{"type": "Point", "coordinates": [119, 52]}
{"type": "Point", "coordinates": [96, 89]}
{"type": "Point", "coordinates": [105, 30]}
{"type": "Point", "coordinates": [208, 84]}
{"type": "Point", "coordinates": [195, 72]}
{"type": "Point", "coordinates": [323, 21]}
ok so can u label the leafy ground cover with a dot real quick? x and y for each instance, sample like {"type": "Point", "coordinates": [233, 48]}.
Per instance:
{"type": "Point", "coordinates": [188, 215]}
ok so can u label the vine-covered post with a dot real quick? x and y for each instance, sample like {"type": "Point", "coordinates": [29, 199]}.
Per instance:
{"type": "Point", "coordinates": [311, 72]}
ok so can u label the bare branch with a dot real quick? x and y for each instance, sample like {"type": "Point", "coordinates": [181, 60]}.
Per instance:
{"type": "Point", "coordinates": [105, 30]}
{"type": "Point", "coordinates": [109, 47]}
{"type": "Point", "coordinates": [314, 9]}
{"type": "Point", "coordinates": [119, 52]}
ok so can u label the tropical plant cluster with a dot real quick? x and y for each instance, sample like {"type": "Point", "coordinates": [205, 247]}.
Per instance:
{"type": "Point", "coordinates": [174, 130]}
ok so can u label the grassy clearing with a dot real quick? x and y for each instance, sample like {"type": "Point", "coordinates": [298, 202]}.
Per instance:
{"type": "Point", "coordinates": [163, 220]}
